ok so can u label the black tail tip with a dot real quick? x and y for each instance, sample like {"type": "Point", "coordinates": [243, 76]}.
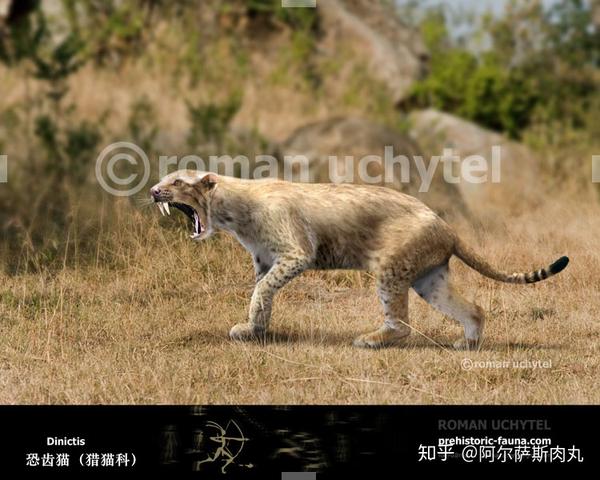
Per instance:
{"type": "Point", "coordinates": [559, 265]}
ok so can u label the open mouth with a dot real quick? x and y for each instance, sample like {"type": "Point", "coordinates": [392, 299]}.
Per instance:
{"type": "Point", "coordinates": [190, 212]}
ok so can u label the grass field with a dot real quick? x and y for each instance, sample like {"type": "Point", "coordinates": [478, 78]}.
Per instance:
{"type": "Point", "coordinates": [151, 325]}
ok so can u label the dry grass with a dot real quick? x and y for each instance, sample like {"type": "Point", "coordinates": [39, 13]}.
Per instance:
{"type": "Point", "coordinates": [151, 326]}
{"type": "Point", "coordinates": [143, 316]}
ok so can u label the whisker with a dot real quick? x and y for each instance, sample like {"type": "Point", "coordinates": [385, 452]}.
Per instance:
{"type": "Point", "coordinates": [143, 201]}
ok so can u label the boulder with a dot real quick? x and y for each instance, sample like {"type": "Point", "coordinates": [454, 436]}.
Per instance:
{"type": "Point", "coordinates": [373, 31]}
{"type": "Point", "coordinates": [327, 144]}
{"type": "Point", "coordinates": [519, 185]}
{"type": "Point", "coordinates": [355, 42]}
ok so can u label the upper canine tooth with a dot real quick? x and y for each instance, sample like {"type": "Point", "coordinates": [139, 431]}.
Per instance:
{"type": "Point", "coordinates": [166, 205]}
{"type": "Point", "coordinates": [161, 208]}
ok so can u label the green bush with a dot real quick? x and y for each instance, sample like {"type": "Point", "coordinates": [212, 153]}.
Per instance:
{"type": "Point", "coordinates": [536, 63]}
{"type": "Point", "coordinates": [143, 127]}
{"type": "Point", "coordinates": [210, 121]}
{"type": "Point", "coordinates": [298, 18]}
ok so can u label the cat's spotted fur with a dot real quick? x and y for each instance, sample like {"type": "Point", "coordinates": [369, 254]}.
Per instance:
{"type": "Point", "coordinates": [289, 228]}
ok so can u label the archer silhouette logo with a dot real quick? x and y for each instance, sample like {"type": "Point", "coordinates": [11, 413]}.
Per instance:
{"type": "Point", "coordinates": [228, 444]}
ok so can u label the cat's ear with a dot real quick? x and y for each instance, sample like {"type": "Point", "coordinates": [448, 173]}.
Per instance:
{"type": "Point", "coordinates": [208, 181]}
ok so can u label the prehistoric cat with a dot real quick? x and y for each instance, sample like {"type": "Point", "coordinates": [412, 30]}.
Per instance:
{"type": "Point", "coordinates": [291, 227]}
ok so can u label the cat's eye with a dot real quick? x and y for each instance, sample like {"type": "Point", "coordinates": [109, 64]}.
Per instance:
{"type": "Point", "coordinates": [178, 183]}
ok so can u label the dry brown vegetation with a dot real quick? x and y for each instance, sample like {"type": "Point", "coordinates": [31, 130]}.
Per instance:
{"type": "Point", "coordinates": [152, 326]}
{"type": "Point", "coordinates": [104, 301]}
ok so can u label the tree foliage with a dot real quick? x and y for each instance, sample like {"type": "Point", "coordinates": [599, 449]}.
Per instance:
{"type": "Point", "coordinates": [536, 64]}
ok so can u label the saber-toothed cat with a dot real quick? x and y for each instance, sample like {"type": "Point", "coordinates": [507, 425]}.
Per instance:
{"type": "Point", "coordinates": [291, 227]}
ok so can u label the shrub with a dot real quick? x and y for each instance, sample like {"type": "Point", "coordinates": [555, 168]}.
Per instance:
{"type": "Point", "coordinates": [536, 63]}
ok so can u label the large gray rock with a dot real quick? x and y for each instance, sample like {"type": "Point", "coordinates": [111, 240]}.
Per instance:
{"type": "Point", "coordinates": [520, 183]}
{"type": "Point", "coordinates": [361, 52]}
{"type": "Point", "coordinates": [373, 31]}
{"type": "Point", "coordinates": [358, 138]}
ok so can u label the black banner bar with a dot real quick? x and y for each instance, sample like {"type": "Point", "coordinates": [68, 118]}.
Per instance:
{"type": "Point", "coordinates": [294, 442]}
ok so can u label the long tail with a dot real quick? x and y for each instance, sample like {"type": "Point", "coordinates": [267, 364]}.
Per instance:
{"type": "Point", "coordinates": [477, 262]}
